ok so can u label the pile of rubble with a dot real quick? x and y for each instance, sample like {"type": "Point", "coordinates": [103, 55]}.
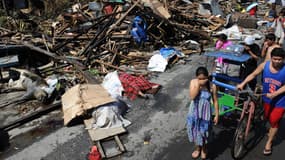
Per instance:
{"type": "Point", "coordinates": [66, 55]}
{"type": "Point", "coordinates": [107, 36]}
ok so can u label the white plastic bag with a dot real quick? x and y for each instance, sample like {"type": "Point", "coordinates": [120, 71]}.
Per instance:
{"type": "Point", "coordinates": [278, 30]}
{"type": "Point", "coordinates": [157, 63]}
{"type": "Point", "coordinates": [113, 84]}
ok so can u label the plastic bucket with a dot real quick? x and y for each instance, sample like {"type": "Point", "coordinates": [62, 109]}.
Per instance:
{"type": "Point", "coordinates": [95, 6]}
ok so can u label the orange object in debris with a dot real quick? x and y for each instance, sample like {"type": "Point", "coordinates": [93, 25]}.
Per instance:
{"type": "Point", "coordinates": [108, 9]}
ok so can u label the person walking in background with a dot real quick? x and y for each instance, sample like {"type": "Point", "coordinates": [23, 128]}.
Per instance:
{"type": "Point", "coordinates": [271, 15]}
{"type": "Point", "coordinates": [277, 27]}
{"type": "Point", "coordinates": [251, 48]}
{"type": "Point", "coordinates": [281, 19]}
{"type": "Point", "coordinates": [199, 118]}
{"type": "Point", "coordinates": [268, 45]}
{"type": "Point", "coordinates": [273, 83]}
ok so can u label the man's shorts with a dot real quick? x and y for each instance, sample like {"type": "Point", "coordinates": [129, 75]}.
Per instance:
{"type": "Point", "coordinates": [273, 114]}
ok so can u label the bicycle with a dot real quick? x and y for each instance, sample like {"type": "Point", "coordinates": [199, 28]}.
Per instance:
{"type": "Point", "coordinates": [250, 113]}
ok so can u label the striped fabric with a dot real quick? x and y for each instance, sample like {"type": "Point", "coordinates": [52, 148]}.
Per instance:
{"type": "Point", "coordinates": [199, 118]}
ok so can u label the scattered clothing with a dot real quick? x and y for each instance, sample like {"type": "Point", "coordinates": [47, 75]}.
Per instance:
{"type": "Point", "coordinates": [109, 116]}
{"type": "Point", "coordinates": [133, 85]}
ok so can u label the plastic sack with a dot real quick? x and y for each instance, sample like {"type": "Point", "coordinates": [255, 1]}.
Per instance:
{"type": "Point", "coordinates": [157, 63]}
{"type": "Point", "coordinates": [278, 30]}
{"type": "Point", "coordinates": [113, 84]}
{"type": "Point", "coordinates": [235, 48]}
{"type": "Point", "coordinates": [108, 116]}
{"type": "Point", "coordinates": [138, 31]}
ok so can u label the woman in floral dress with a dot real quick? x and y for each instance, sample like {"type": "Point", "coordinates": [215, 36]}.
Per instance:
{"type": "Point", "coordinates": [199, 118]}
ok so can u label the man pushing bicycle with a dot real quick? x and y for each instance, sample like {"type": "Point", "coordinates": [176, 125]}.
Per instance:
{"type": "Point", "coordinates": [273, 83]}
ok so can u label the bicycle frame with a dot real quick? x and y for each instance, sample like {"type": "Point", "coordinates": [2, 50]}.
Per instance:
{"type": "Point", "coordinates": [248, 108]}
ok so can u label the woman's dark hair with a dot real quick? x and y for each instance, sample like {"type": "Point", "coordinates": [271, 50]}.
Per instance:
{"type": "Point", "coordinates": [278, 52]}
{"type": "Point", "coordinates": [202, 70]}
{"type": "Point", "coordinates": [223, 37]}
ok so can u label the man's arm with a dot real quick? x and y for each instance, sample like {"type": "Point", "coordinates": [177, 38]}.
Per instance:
{"type": "Point", "coordinates": [253, 55]}
{"type": "Point", "coordinates": [250, 77]}
{"type": "Point", "coordinates": [276, 93]}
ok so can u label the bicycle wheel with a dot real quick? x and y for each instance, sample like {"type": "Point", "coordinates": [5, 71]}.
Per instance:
{"type": "Point", "coordinates": [239, 139]}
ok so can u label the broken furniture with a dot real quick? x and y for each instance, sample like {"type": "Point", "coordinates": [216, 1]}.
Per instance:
{"type": "Point", "coordinates": [101, 135]}
{"type": "Point", "coordinates": [7, 60]}
{"type": "Point", "coordinates": [80, 99]}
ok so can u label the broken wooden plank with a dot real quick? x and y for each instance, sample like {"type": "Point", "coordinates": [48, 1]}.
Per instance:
{"type": "Point", "coordinates": [122, 17]}
{"type": "Point", "coordinates": [102, 133]}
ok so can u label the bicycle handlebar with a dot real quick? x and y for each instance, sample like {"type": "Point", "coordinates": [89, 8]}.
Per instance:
{"type": "Point", "coordinates": [228, 86]}
{"type": "Point", "coordinates": [233, 88]}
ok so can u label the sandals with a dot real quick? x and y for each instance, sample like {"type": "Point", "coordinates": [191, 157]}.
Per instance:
{"type": "Point", "coordinates": [267, 152]}
{"type": "Point", "coordinates": [196, 153]}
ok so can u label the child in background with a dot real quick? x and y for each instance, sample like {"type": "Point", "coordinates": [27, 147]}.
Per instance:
{"type": "Point", "coordinates": [199, 118]}
{"type": "Point", "coordinates": [223, 42]}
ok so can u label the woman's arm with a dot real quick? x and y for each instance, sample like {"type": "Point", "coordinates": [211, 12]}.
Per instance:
{"type": "Point", "coordinates": [216, 105]}
{"type": "Point", "coordinates": [194, 88]}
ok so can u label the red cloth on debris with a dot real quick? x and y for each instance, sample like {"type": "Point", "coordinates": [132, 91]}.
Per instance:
{"type": "Point", "coordinates": [132, 84]}
{"type": "Point", "coordinates": [94, 154]}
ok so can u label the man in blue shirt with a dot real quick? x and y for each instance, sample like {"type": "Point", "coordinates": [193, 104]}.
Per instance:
{"type": "Point", "coordinates": [273, 81]}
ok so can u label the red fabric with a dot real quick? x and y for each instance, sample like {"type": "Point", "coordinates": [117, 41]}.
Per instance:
{"type": "Point", "coordinates": [94, 154]}
{"type": "Point", "coordinates": [252, 11]}
{"type": "Point", "coordinates": [274, 114]}
{"type": "Point", "coordinates": [132, 85]}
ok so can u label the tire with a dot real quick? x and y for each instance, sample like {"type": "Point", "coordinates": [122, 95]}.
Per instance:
{"type": "Point", "coordinates": [238, 146]}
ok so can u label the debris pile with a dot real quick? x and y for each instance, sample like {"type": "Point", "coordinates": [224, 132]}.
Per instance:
{"type": "Point", "coordinates": [107, 36]}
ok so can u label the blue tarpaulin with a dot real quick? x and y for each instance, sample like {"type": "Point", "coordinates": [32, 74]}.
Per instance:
{"type": "Point", "coordinates": [229, 55]}
{"type": "Point", "coordinates": [170, 52]}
